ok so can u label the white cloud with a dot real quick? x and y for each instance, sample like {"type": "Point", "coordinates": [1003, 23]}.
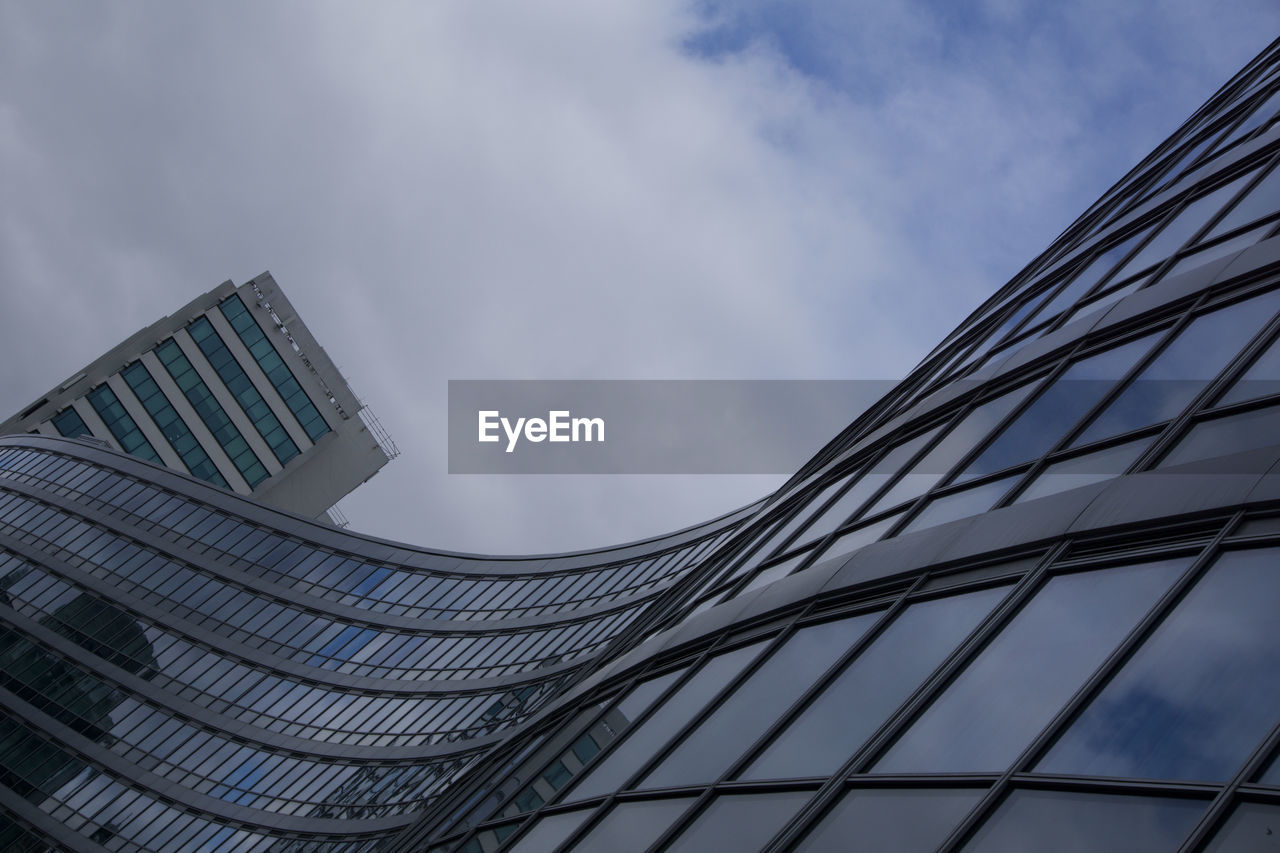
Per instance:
{"type": "Point", "coordinates": [558, 190]}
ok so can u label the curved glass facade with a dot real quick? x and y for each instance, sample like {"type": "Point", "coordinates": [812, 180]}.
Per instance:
{"type": "Point", "coordinates": [1026, 601]}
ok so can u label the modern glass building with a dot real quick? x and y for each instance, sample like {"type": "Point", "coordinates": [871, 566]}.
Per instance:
{"type": "Point", "coordinates": [1027, 601]}
{"type": "Point", "coordinates": [232, 389]}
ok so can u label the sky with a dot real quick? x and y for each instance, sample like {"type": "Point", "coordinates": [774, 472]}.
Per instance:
{"type": "Point", "coordinates": [567, 189]}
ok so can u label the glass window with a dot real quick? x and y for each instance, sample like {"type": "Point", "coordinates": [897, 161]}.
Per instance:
{"type": "Point", "coordinates": [966, 435]}
{"type": "Point", "coordinates": [1250, 829]}
{"type": "Point", "coordinates": [1066, 822]}
{"type": "Point", "coordinates": [1261, 379]}
{"type": "Point", "coordinates": [904, 821]}
{"type": "Point", "coordinates": [1042, 423]}
{"type": "Point", "coordinates": [742, 718]}
{"type": "Point", "coordinates": [1233, 434]}
{"type": "Point", "coordinates": [739, 822]}
{"type": "Point", "coordinates": [880, 679]}
{"type": "Point", "coordinates": [549, 832]}
{"type": "Point", "coordinates": [961, 504]}
{"type": "Point", "coordinates": [1180, 228]}
{"type": "Point", "coordinates": [1183, 368]}
{"type": "Point", "coordinates": [1082, 470]}
{"type": "Point", "coordinates": [632, 827]}
{"type": "Point", "coordinates": [1203, 255]}
{"type": "Point", "coordinates": [1262, 200]}
{"type": "Point", "coordinates": [855, 539]}
{"type": "Point", "coordinates": [996, 706]}
{"type": "Point", "coordinates": [1199, 695]}
{"type": "Point", "coordinates": [640, 745]}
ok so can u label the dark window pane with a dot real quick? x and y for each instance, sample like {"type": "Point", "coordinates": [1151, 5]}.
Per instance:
{"type": "Point", "coordinates": [1199, 353]}
{"type": "Point", "coordinates": [547, 834]}
{"type": "Point", "coordinates": [902, 821]}
{"type": "Point", "coordinates": [1260, 380]}
{"type": "Point", "coordinates": [873, 686]}
{"type": "Point", "coordinates": [1220, 436]}
{"type": "Point", "coordinates": [709, 750]}
{"type": "Point", "coordinates": [1057, 409]}
{"type": "Point", "coordinates": [632, 827]}
{"type": "Point", "coordinates": [1066, 822]}
{"type": "Point", "coordinates": [938, 462]}
{"type": "Point", "coordinates": [640, 745]}
{"type": "Point", "coordinates": [961, 504]}
{"type": "Point", "coordinates": [1173, 235]}
{"type": "Point", "coordinates": [1006, 696]}
{"type": "Point", "coordinates": [739, 822]}
{"type": "Point", "coordinates": [1262, 200]}
{"type": "Point", "coordinates": [1196, 699]}
{"type": "Point", "coordinates": [1252, 828]}
{"type": "Point", "coordinates": [1082, 470]}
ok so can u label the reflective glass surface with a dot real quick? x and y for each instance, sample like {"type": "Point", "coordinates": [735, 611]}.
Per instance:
{"type": "Point", "coordinates": [961, 504]}
{"type": "Point", "coordinates": [861, 698]}
{"type": "Point", "coordinates": [710, 748]}
{"type": "Point", "coordinates": [1252, 828]}
{"type": "Point", "coordinates": [633, 826]}
{"type": "Point", "coordinates": [903, 821]}
{"type": "Point", "coordinates": [1070, 822]}
{"type": "Point", "coordinates": [1063, 403]}
{"type": "Point", "coordinates": [548, 833]}
{"type": "Point", "coordinates": [1199, 695]}
{"type": "Point", "coordinates": [641, 744]}
{"type": "Point", "coordinates": [1262, 200]}
{"type": "Point", "coordinates": [1183, 368]}
{"type": "Point", "coordinates": [1082, 470]}
{"type": "Point", "coordinates": [1022, 678]}
{"type": "Point", "coordinates": [739, 822]}
{"type": "Point", "coordinates": [1232, 434]}
{"type": "Point", "coordinates": [1261, 379]}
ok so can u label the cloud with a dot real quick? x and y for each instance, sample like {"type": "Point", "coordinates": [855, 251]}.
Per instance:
{"type": "Point", "coordinates": [565, 190]}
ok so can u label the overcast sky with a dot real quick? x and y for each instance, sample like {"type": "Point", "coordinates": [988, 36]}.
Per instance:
{"type": "Point", "coordinates": [567, 189]}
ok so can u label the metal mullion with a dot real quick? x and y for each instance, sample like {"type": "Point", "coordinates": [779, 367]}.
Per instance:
{"type": "Point", "coordinates": [1110, 666]}
{"type": "Point", "coordinates": [797, 707]}
{"type": "Point", "coordinates": [934, 684]}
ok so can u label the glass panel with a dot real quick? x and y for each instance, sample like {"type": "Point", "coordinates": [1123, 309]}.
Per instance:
{"type": "Point", "coordinates": [855, 539]}
{"type": "Point", "coordinates": [1183, 368]}
{"type": "Point", "coordinates": [1065, 822]}
{"type": "Point", "coordinates": [641, 744]}
{"type": "Point", "coordinates": [1250, 829]}
{"type": "Point", "coordinates": [1200, 257]}
{"type": "Point", "coordinates": [631, 827]}
{"type": "Point", "coordinates": [961, 504]}
{"type": "Point", "coordinates": [903, 821]}
{"type": "Point", "coordinates": [1246, 431]}
{"type": "Point", "coordinates": [1172, 237]}
{"type": "Point", "coordinates": [853, 706]}
{"type": "Point", "coordinates": [547, 834]}
{"type": "Point", "coordinates": [1022, 678]}
{"type": "Point", "coordinates": [1262, 200]}
{"type": "Point", "coordinates": [1195, 700]}
{"type": "Point", "coordinates": [739, 822]}
{"type": "Point", "coordinates": [966, 435]}
{"type": "Point", "coordinates": [1082, 470]}
{"type": "Point", "coordinates": [1260, 380]}
{"type": "Point", "coordinates": [1088, 277]}
{"type": "Point", "coordinates": [1058, 408]}
{"type": "Point", "coordinates": [719, 739]}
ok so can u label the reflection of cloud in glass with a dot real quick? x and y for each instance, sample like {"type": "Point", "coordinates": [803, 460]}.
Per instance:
{"type": "Point", "coordinates": [1200, 695]}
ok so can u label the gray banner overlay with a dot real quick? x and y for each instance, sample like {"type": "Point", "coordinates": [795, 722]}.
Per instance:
{"type": "Point", "coordinates": [646, 426]}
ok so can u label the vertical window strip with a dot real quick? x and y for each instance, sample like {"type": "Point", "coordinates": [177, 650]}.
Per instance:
{"type": "Point", "coordinates": [111, 410]}
{"type": "Point", "coordinates": [211, 412]}
{"type": "Point", "coordinates": [242, 388]}
{"type": "Point", "coordinates": [277, 372]}
{"type": "Point", "coordinates": [69, 424]}
{"type": "Point", "coordinates": [171, 424]}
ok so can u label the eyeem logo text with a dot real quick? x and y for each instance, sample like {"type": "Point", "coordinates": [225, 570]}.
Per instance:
{"type": "Point", "coordinates": [558, 426]}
